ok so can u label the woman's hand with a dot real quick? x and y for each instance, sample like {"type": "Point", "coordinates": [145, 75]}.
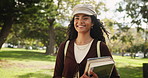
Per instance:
{"type": "Point", "coordinates": [93, 75]}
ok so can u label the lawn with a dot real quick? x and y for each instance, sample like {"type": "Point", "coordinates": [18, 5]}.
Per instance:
{"type": "Point", "coordinates": [22, 63]}
{"type": "Point", "coordinates": [129, 67]}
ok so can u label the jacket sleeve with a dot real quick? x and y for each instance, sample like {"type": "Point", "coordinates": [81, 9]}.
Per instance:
{"type": "Point", "coordinates": [105, 52]}
{"type": "Point", "coordinates": [59, 65]}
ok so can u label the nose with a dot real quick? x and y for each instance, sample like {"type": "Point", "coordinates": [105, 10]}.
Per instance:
{"type": "Point", "coordinates": [80, 22]}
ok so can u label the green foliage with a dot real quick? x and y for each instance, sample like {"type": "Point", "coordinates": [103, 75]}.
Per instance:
{"type": "Point", "coordinates": [138, 47]}
{"type": "Point", "coordinates": [122, 33]}
{"type": "Point", "coordinates": [125, 37]}
{"type": "Point", "coordinates": [109, 23]}
{"type": "Point", "coordinates": [120, 9]}
{"type": "Point", "coordinates": [14, 12]}
{"type": "Point", "coordinates": [136, 10]}
{"type": "Point", "coordinates": [140, 29]}
{"type": "Point", "coordinates": [17, 8]}
{"type": "Point", "coordinates": [60, 33]}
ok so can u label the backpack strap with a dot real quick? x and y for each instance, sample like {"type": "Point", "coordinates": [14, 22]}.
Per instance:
{"type": "Point", "coordinates": [66, 46]}
{"type": "Point", "coordinates": [98, 48]}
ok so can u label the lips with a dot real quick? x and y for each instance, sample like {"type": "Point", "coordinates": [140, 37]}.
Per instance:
{"type": "Point", "coordinates": [80, 26]}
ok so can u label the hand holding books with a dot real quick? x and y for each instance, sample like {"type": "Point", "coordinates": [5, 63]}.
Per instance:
{"type": "Point", "coordinates": [101, 66]}
{"type": "Point", "coordinates": [93, 75]}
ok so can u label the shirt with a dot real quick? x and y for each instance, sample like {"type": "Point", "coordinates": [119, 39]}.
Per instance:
{"type": "Point", "coordinates": [80, 51]}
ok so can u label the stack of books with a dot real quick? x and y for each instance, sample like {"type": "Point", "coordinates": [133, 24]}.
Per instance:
{"type": "Point", "coordinates": [102, 66]}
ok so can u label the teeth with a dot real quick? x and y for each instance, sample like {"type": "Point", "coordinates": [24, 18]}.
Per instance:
{"type": "Point", "coordinates": [81, 26]}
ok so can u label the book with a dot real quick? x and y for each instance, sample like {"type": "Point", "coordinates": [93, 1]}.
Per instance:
{"type": "Point", "coordinates": [102, 66]}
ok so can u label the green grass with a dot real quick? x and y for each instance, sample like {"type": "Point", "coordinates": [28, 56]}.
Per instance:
{"type": "Point", "coordinates": [129, 67]}
{"type": "Point", "coordinates": [22, 63]}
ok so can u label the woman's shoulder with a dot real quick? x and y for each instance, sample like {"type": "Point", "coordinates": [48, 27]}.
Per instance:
{"type": "Point", "coordinates": [104, 49]}
{"type": "Point", "coordinates": [63, 43]}
{"type": "Point", "coordinates": [101, 42]}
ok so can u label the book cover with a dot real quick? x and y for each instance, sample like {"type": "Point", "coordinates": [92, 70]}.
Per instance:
{"type": "Point", "coordinates": [102, 66]}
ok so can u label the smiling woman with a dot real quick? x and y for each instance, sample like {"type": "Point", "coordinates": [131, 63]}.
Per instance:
{"type": "Point", "coordinates": [84, 32]}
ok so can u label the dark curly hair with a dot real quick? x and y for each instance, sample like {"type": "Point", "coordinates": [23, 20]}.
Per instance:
{"type": "Point", "coordinates": [95, 32]}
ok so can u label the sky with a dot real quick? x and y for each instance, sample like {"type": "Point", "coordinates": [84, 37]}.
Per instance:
{"type": "Point", "coordinates": [112, 6]}
{"type": "Point", "coordinates": [111, 14]}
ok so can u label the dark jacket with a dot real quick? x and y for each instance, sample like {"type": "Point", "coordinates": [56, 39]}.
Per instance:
{"type": "Point", "coordinates": [68, 67]}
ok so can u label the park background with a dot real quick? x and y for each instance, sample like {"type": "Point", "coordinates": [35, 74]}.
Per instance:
{"type": "Point", "coordinates": [32, 30]}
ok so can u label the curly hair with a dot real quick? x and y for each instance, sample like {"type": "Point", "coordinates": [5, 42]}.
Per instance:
{"type": "Point", "coordinates": [95, 32]}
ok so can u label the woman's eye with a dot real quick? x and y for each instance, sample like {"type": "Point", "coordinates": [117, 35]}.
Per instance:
{"type": "Point", "coordinates": [76, 18]}
{"type": "Point", "coordinates": [85, 18]}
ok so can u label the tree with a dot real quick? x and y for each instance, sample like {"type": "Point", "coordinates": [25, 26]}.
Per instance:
{"type": "Point", "coordinates": [60, 35]}
{"type": "Point", "coordinates": [126, 37]}
{"type": "Point", "coordinates": [14, 11]}
{"type": "Point", "coordinates": [137, 11]}
{"type": "Point", "coordinates": [46, 15]}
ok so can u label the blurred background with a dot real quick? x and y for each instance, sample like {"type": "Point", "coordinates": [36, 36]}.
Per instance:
{"type": "Point", "coordinates": [29, 27]}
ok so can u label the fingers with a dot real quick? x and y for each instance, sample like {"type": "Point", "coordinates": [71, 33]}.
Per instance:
{"type": "Point", "coordinates": [94, 75]}
{"type": "Point", "coordinates": [84, 75]}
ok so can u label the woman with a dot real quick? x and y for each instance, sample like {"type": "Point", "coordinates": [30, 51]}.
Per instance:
{"type": "Point", "coordinates": [83, 33]}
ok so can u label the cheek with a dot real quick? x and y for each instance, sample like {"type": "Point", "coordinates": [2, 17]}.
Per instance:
{"type": "Point", "coordinates": [74, 24]}
{"type": "Point", "coordinates": [89, 23]}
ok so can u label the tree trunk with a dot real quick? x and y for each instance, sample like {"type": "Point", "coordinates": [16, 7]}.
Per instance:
{"type": "Point", "coordinates": [145, 52]}
{"type": "Point", "coordinates": [146, 49]}
{"type": "Point", "coordinates": [5, 30]}
{"type": "Point", "coordinates": [51, 37]}
{"type": "Point", "coordinates": [145, 70]}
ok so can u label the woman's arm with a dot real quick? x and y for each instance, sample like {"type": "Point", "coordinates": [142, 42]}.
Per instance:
{"type": "Point", "coordinates": [59, 62]}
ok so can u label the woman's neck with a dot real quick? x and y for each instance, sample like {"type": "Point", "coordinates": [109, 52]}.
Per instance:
{"type": "Point", "coordinates": [83, 39]}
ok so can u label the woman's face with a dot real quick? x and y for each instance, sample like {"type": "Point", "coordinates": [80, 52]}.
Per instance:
{"type": "Point", "coordinates": [82, 23]}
